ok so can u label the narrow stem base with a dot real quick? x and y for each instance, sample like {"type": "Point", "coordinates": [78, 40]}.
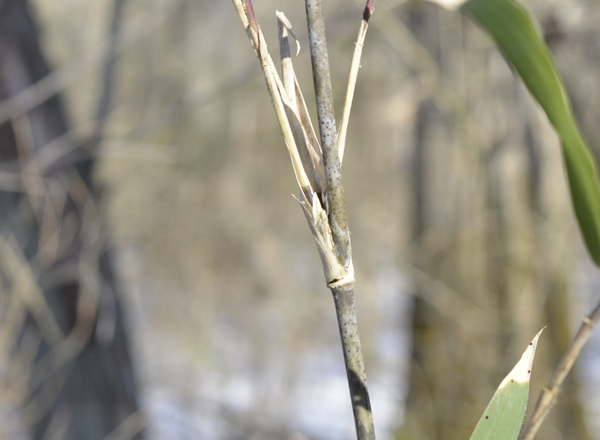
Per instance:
{"type": "Point", "coordinates": [343, 298]}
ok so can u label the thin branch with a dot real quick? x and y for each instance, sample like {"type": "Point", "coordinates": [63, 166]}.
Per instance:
{"type": "Point", "coordinates": [336, 206]}
{"type": "Point", "coordinates": [109, 73]}
{"type": "Point", "coordinates": [23, 279]}
{"type": "Point", "coordinates": [354, 67]}
{"type": "Point", "coordinates": [551, 390]}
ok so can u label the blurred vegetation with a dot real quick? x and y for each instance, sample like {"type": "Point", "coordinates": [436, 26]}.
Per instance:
{"type": "Point", "coordinates": [462, 226]}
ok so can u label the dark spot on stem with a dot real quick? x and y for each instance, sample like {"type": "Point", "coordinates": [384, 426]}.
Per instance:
{"type": "Point", "coordinates": [369, 8]}
{"type": "Point", "coordinates": [360, 395]}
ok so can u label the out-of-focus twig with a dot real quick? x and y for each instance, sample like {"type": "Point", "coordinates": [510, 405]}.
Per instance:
{"type": "Point", "coordinates": [62, 78]}
{"type": "Point", "coordinates": [108, 75]}
{"type": "Point", "coordinates": [25, 285]}
{"type": "Point", "coordinates": [54, 267]}
{"type": "Point", "coordinates": [128, 428]}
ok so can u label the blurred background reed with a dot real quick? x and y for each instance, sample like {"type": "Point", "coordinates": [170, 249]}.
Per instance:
{"type": "Point", "coordinates": [149, 236]}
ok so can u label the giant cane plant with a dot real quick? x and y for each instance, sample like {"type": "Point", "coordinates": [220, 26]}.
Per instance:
{"type": "Point", "coordinates": [316, 162]}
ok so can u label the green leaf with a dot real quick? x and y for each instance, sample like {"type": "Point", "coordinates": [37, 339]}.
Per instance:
{"type": "Point", "coordinates": [515, 33]}
{"type": "Point", "coordinates": [503, 418]}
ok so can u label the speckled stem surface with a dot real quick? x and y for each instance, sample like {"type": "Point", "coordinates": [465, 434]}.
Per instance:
{"type": "Point", "coordinates": [343, 298]}
{"type": "Point", "coordinates": [336, 207]}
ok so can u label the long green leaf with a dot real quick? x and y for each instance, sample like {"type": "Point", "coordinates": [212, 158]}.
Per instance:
{"type": "Point", "coordinates": [503, 418]}
{"type": "Point", "coordinates": [515, 33]}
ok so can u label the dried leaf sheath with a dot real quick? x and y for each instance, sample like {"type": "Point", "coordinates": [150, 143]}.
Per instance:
{"type": "Point", "coordinates": [301, 142]}
{"type": "Point", "coordinates": [280, 101]}
{"type": "Point", "coordinates": [312, 142]}
{"type": "Point", "coordinates": [304, 135]}
{"type": "Point", "coordinates": [352, 77]}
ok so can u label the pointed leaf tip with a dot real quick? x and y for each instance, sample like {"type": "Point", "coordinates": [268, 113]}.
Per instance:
{"type": "Point", "coordinates": [449, 4]}
{"type": "Point", "coordinates": [522, 371]}
{"type": "Point", "coordinates": [503, 418]}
